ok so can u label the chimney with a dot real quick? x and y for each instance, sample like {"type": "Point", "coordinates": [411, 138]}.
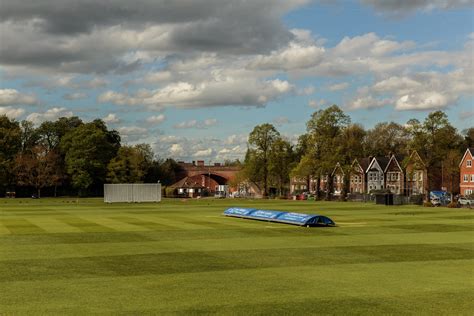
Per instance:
{"type": "Point", "coordinates": [217, 164]}
{"type": "Point", "coordinates": [194, 163]}
{"type": "Point", "coordinates": [200, 163]}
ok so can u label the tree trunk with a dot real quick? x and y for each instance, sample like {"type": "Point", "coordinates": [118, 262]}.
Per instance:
{"type": "Point", "coordinates": [329, 188]}
{"type": "Point", "coordinates": [318, 188]}
{"type": "Point", "coordinates": [55, 190]}
{"type": "Point", "coordinates": [39, 193]}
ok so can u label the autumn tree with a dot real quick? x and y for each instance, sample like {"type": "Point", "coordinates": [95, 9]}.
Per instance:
{"type": "Point", "coordinates": [38, 168]}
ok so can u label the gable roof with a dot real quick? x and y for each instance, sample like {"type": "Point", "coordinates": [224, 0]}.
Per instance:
{"type": "Point", "coordinates": [469, 150]}
{"type": "Point", "coordinates": [413, 153]}
{"type": "Point", "coordinates": [338, 165]}
{"type": "Point", "coordinates": [381, 161]}
{"type": "Point", "coordinates": [397, 159]}
{"type": "Point", "coordinates": [362, 162]}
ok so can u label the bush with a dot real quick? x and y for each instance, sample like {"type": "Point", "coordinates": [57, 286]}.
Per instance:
{"type": "Point", "coordinates": [453, 205]}
{"type": "Point", "coordinates": [428, 204]}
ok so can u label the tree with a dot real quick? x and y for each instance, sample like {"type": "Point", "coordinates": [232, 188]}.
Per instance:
{"type": "Point", "coordinates": [433, 139]}
{"type": "Point", "coordinates": [130, 165]}
{"type": "Point", "coordinates": [325, 128]}
{"type": "Point", "coordinates": [88, 149]}
{"type": "Point", "coordinates": [10, 145]}
{"type": "Point", "coordinates": [387, 138]}
{"type": "Point", "coordinates": [281, 161]}
{"type": "Point", "coordinates": [38, 168]}
{"type": "Point", "coordinates": [351, 146]}
{"type": "Point", "coordinates": [29, 136]}
{"type": "Point", "coordinates": [261, 139]}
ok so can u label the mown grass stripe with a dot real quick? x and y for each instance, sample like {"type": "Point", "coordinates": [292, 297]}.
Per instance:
{"type": "Point", "coordinates": [21, 226]}
{"type": "Point", "coordinates": [83, 224]}
{"type": "Point", "coordinates": [203, 261]}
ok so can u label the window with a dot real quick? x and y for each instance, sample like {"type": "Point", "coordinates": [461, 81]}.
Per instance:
{"type": "Point", "coordinates": [468, 191]}
{"type": "Point", "coordinates": [472, 177]}
{"type": "Point", "coordinates": [465, 178]}
{"type": "Point", "coordinates": [469, 163]}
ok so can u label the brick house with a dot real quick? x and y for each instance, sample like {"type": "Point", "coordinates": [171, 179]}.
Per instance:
{"type": "Point", "coordinates": [394, 175]}
{"type": "Point", "coordinates": [375, 173]}
{"type": "Point", "coordinates": [358, 179]}
{"type": "Point", "coordinates": [416, 175]}
{"type": "Point", "coordinates": [466, 171]}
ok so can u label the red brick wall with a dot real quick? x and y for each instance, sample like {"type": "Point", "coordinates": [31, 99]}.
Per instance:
{"type": "Point", "coordinates": [465, 170]}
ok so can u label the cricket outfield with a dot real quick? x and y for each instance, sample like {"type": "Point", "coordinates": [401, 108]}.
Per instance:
{"type": "Point", "coordinates": [68, 256]}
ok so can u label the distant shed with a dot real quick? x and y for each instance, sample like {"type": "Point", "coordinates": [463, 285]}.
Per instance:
{"type": "Point", "coordinates": [299, 219]}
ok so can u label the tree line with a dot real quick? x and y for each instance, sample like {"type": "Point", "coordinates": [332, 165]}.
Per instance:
{"type": "Point", "coordinates": [69, 157]}
{"type": "Point", "coordinates": [331, 138]}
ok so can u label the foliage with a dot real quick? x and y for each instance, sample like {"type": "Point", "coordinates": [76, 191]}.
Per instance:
{"type": "Point", "coordinates": [38, 168]}
{"type": "Point", "coordinates": [428, 204]}
{"type": "Point", "coordinates": [88, 149]}
{"type": "Point", "coordinates": [262, 138]}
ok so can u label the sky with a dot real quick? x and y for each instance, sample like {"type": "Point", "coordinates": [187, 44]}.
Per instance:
{"type": "Point", "coordinates": [193, 77]}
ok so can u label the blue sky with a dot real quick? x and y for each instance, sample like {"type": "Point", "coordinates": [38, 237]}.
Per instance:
{"type": "Point", "coordinates": [193, 78]}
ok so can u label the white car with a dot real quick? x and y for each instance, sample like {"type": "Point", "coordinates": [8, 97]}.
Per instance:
{"type": "Point", "coordinates": [465, 201]}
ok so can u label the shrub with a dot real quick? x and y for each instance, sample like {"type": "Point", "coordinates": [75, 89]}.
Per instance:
{"type": "Point", "coordinates": [427, 204]}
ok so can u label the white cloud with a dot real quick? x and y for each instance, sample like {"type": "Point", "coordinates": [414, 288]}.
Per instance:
{"type": "Point", "coordinates": [132, 133]}
{"type": "Point", "coordinates": [11, 112]}
{"type": "Point", "coordinates": [226, 91]}
{"type": "Point", "coordinates": [156, 119]}
{"type": "Point", "coordinates": [51, 114]}
{"type": "Point", "coordinates": [430, 100]}
{"type": "Point", "coordinates": [204, 153]}
{"type": "Point", "coordinates": [10, 97]}
{"type": "Point", "coordinates": [176, 150]}
{"type": "Point", "coordinates": [338, 86]}
{"type": "Point", "coordinates": [196, 124]}
{"type": "Point", "coordinates": [111, 118]}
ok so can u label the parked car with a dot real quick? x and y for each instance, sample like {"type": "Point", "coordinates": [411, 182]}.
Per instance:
{"type": "Point", "coordinates": [435, 201]}
{"type": "Point", "coordinates": [465, 201]}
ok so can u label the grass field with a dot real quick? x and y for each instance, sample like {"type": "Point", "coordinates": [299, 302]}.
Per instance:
{"type": "Point", "coordinates": [60, 256]}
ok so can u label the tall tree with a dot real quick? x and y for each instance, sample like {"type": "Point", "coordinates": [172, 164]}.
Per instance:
{"type": "Point", "coordinates": [10, 145]}
{"type": "Point", "coordinates": [351, 146]}
{"type": "Point", "coordinates": [387, 138]}
{"type": "Point", "coordinates": [130, 165]}
{"type": "Point", "coordinates": [433, 139]}
{"type": "Point", "coordinates": [261, 139]}
{"type": "Point", "coordinates": [281, 161]}
{"type": "Point", "coordinates": [88, 149]}
{"type": "Point", "coordinates": [326, 127]}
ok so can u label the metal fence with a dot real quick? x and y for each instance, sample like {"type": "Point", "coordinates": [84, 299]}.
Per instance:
{"type": "Point", "coordinates": [132, 192]}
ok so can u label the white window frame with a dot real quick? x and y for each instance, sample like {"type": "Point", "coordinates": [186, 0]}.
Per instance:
{"type": "Point", "coordinates": [466, 178]}
{"type": "Point", "coordinates": [472, 177]}
{"type": "Point", "coordinates": [469, 163]}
